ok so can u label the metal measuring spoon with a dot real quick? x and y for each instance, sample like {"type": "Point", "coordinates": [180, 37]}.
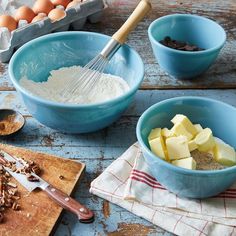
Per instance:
{"type": "Point", "coordinates": [11, 117]}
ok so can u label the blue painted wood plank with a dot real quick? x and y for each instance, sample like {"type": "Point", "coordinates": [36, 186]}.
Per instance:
{"type": "Point", "coordinates": [221, 74]}
{"type": "Point", "coordinates": [97, 151]}
{"type": "Point", "coordinates": [143, 98]}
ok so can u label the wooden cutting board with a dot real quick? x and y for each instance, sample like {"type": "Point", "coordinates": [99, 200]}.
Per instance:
{"type": "Point", "coordinates": [39, 214]}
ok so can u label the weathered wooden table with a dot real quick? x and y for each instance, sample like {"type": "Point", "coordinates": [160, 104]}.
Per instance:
{"type": "Point", "coordinates": [99, 149]}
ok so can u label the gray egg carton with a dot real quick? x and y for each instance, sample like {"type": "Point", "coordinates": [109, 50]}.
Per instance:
{"type": "Point", "coordinates": [75, 19]}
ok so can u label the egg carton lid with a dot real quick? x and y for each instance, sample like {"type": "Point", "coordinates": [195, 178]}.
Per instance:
{"type": "Point", "coordinates": [75, 16]}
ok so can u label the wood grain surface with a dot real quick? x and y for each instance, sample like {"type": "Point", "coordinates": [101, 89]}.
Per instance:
{"type": "Point", "coordinates": [221, 75]}
{"type": "Point", "coordinates": [38, 213]}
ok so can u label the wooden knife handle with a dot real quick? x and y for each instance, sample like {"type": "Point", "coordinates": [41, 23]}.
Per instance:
{"type": "Point", "coordinates": [84, 214]}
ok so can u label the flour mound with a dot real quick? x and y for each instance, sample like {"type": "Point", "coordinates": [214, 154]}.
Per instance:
{"type": "Point", "coordinates": [107, 88]}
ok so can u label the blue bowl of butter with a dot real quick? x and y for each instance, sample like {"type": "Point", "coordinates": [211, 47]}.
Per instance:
{"type": "Point", "coordinates": [196, 30]}
{"type": "Point", "coordinates": [216, 115]}
{"type": "Point", "coordinates": [35, 61]}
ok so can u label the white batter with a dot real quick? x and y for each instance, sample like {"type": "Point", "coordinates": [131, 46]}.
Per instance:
{"type": "Point", "coordinates": [107, 88]}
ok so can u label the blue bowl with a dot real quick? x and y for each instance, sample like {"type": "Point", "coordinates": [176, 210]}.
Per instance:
{"type": "Point", "coordinates": [193, 29]}
{"type": "Point", "coordinates": [38, 57]}
{"type": "Point", "coordinates": [216, 115]}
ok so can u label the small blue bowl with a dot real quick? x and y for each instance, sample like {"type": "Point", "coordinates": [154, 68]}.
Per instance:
{"type": "Point", "coordinates": [193, 29]}
{"type": "Point", "coordinates": [216, 115]}
{"type": "Point", "coordinates": [38, 57]}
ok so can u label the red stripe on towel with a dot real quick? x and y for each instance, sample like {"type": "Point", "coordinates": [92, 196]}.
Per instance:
{"type": "Point", "coordinates": [146, 178]}
{"type": "Point", "coordinates": [141, 172]}
{"type": "Point", "coordinates": [146, 182]}
{"type": "Point", "coordinates": [152, 182]}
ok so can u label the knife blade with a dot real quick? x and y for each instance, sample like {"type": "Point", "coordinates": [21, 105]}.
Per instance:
{"type": "Point", "coordinates": [84, 214]}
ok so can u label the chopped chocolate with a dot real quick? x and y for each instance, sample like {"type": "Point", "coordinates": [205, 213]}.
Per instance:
{"type": "Point", "coordinates": [11, 184]}
{"type": "Point", "coordinates": [9, 194]}
{"type": "Point", "coordinates": [180, 45]}
{"type": "Point", "coordinates": [61, 177]}
{"type": "Point", "coordinates": [15, 206]}
{"type": "Point", "coordinates": [1, 217]}
{"type": "Point", "coordinates": [32, 178]}
{"type": "Point", "coordinates": [2, 126]}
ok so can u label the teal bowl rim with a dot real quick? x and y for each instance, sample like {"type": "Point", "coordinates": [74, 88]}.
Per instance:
{"type": "Point", "coordinates": [58, 104]}
{"type": "Point", "coordinates": [167, 164]}
{"type": "Point", "coordinates": [152, 25]}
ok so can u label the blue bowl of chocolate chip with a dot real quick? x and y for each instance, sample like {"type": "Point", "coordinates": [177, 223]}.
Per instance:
{"type": "Point", "coordinates": [186, 45]}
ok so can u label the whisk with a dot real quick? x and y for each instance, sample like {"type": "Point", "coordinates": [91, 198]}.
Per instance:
{"type": "Point", "coordinates": [92, 72]}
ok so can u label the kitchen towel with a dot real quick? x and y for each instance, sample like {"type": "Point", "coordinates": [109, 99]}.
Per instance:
{"type": "Point", "coordinates": [128, 183]}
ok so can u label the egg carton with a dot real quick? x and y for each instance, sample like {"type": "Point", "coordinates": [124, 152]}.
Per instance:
{"type": "Point", "coordinates": [75, 19]}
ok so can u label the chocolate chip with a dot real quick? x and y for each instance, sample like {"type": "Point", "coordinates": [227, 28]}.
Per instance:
{"type": "Point", "coordinates": [179, 45]}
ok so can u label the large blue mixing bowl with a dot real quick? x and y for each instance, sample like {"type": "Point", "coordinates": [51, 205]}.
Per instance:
{"type": "Point", "coordinates": [216, 115]}
{"type": "Point", "coordinates": [38, 57]}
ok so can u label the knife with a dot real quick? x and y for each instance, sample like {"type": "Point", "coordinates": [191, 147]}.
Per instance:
{"type": "Point", "coordinates": [84, 214]}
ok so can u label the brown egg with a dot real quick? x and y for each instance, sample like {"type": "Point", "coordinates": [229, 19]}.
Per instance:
{"type": "Point", "coordinates": [8, 22]}
{"type": "Point", "coordinates": [56, 14]}
{"type": "Point", "coordinates": [63, 3]}
{"type": "Point", "coordinates": [43, 6]}
{"type": "Point", "coordinates": [39, 17]}
{"type": "Point", "coordinates": [24, 13]}
{"type": "Point", "coordinates": [73, 3]}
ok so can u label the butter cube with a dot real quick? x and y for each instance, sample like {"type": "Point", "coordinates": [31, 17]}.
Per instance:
{"type": "Point", "coordinates": [156, 143]}
{"type": "Point", "coordinates": [198, 128]}
{"type": "Point", "coordinates": [157, 146]}
{"type": "Point", "coordinates": [179, 129]}
{"type": "Point", "coordinates": [205, 140]}
{"type": "Point", "coordinates": [155, 133]}
{"type": "Point", "coordinates": [166, 154]}
{"type": "Point", "coordinates": [177, 147]}
{"type": "Point", "coordinates": [166, 133]}
{"type": "Point", "coordinates": [224, 154]}
{"type": "Point", "coordinates": [187, 163]}
{"type": "Point", "coordinates": [192, 145]}
{"type": "Point", "coordinates": [185, 122]}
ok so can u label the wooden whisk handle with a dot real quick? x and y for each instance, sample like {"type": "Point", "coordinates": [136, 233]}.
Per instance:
{"type": "Point", "coordinates": [138, 14]}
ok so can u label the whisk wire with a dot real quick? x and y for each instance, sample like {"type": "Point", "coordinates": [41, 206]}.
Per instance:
{"type": "Point", "coordinates": [83, 70]}
{"type": "Point", "coordinates": [89, 76]}
{"type": "Point", "coordinates": [84, 75]}
{"type": "Point", "coordinates": [94, 79]}
{"type": "Point", "coordinates": [85, 85]}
